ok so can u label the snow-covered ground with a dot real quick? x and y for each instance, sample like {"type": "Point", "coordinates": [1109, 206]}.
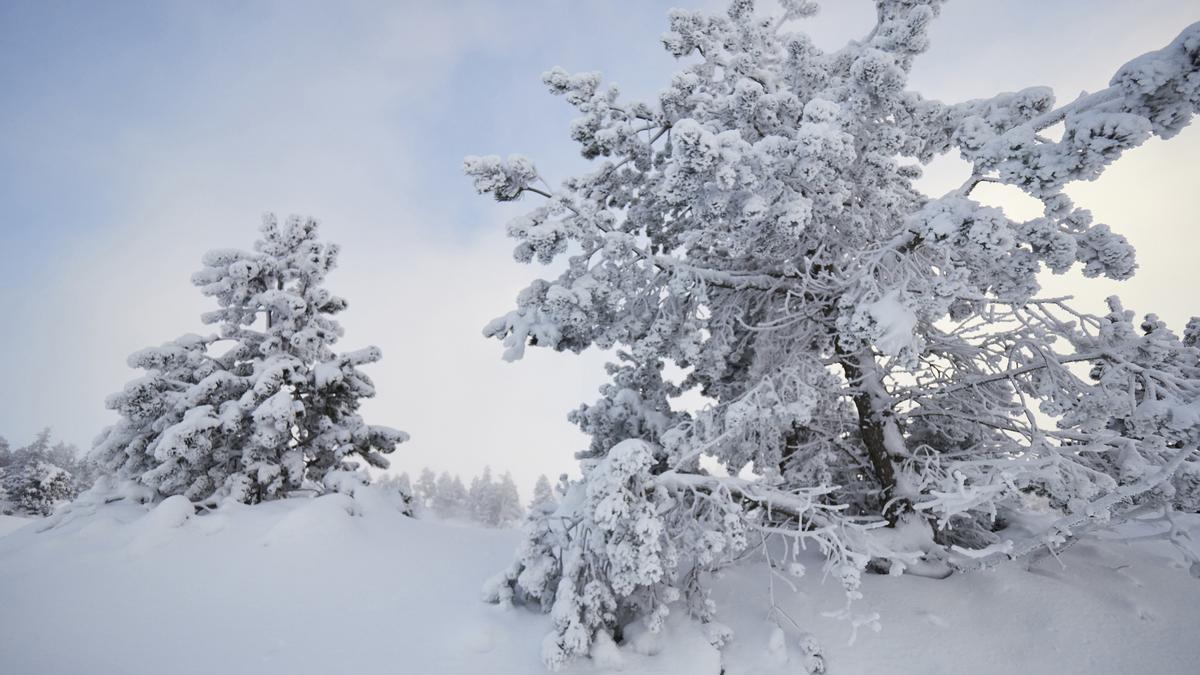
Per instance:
{"type": "Point", "coordinates": [12, 524]}
{"type": "Point", "coordinates": [335, 585]}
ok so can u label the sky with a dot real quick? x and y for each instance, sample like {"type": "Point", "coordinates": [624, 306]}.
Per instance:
{"type": "Point", "coordinates": [135, 135]}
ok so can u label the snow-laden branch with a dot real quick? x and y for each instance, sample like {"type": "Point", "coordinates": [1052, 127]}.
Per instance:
{"type": "Point", "coordinates": [1067, 527]}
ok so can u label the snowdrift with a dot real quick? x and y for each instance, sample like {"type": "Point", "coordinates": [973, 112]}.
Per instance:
{"type": "Point", "coordinates": [341, 585]}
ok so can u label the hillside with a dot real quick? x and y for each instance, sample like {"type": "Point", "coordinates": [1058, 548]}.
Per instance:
{"type": "Point", "coordinates": [338, 585]}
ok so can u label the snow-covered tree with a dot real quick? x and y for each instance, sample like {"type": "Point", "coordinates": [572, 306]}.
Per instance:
{"type": "Point", "coordinates": [426, 488]}
{"type": "Point", "coordinates": [506, 508]}
{"type": "Point", "coordinates": [36, 487]}
{"type": "Point", "coordinates": [36, 477]}
{"type": "Point", "coordinates": [494, 503]}
{"type": "Point", "coordinates": [40, 449]}
{"type": "Point", "coordinates": [481, 496]}
{"type": "Point", "coordinates": [885, 382]}
{"type": "Point", "coordinates": [489, 502]}
{"type": "Point", "coordinates": [403, 483]}
{"type": "Point", "coordinates": [450, 497]}
{"type": "Point", "coordinates": [399, 488]}
{"type": "Point", "coordinates": [265, 407]}
{"type": "Point", "coordinates": [544, 498]}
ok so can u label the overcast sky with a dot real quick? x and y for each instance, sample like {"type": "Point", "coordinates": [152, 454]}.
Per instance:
{"type": "Point", "coordinates": [136, 135]}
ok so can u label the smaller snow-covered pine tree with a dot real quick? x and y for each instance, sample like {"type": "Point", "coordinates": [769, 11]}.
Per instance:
{"type": "Point", "coordinates": [450, 498]}
{"type": "Point", "coordinates": [37, 487]}
{"type": "Point", "coordinates": [38, 476]}
{"type": "Point", "coordinates": [275, 410]}
{"type": "Point", "coordinates": [400, 484]}
{"type": "Point", "coordinates": [543, 496]}
{"type": "Point", "coordinates": [398, 489]}
{"type": "Point", "coordinates": [403, 483]}
{"type": "Point", "coordinates": [426, 488]}
{"type": "Point", "coordinates": [506, 503]}
{"type": "Point", "coordinates": [481, 497]}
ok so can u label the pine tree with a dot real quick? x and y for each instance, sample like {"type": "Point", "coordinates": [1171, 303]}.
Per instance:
{"type": "Point", "coordinates": [35, 478]}
{"type": "Point", "coordinates": [506, 509]}
{"type": "Point", "coordinates": [39, 449]}
{"type": "Point", "coordinates": [450, 500]}
{"type": "Point", "coordinates": [426, 489]}
{"type": "Point", "coordinates": [543, 496]}
{"type": "Point", "coordinates": [403, 483]}
{"type": "Point", "coordinates": [481, 498]}
{"type": "Point", "coordinates": [37, 487]}
{"type": "Point", "coordinates": [399, 490]}
{"type": "Point", "coordinates": [276, 408]}
{"type": "Point", "coordinates": [875, 359]}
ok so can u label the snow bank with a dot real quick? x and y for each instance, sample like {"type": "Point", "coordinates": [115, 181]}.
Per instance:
{"type": "Point", "coordinates": [349, 585]}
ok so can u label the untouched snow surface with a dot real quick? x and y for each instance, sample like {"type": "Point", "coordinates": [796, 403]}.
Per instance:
{"type": "Point", "coordinates": [341, 585]}
{"type": "Point", "coordinates": [12, 524]}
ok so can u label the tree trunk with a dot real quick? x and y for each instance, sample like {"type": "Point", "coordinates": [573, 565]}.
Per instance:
{"type": "Point", "coordinates": [876, 425]}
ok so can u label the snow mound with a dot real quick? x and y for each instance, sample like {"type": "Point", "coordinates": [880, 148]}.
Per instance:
{"type": "Point", "coordinates": [171, 513]}
{"type": "Point", "coordinates": [325, 518]}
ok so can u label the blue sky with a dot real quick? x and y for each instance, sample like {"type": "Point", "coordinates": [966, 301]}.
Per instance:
{"type": "Point", "coordinates": [96, 93]}
{"type": "Point", "coordinates": [136, 135]}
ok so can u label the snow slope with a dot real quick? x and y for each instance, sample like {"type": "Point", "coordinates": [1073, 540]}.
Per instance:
{"type": "Point", "coordinates": [11, 524]}
{"type": "Point", "coordinates": [351, 586]}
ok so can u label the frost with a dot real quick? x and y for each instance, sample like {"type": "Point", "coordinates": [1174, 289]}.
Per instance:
{"type": "Point", "coordinates": [895, 323]}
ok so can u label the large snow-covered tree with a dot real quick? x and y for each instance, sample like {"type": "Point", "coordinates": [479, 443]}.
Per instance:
{"type": "Point", "coordinates": [266, 406]}
{"type": "Point", "coordinates": [884, 379]}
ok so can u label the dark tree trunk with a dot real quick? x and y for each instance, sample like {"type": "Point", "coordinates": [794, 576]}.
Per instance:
{"type": "Point", "coordinates": [873, 422]}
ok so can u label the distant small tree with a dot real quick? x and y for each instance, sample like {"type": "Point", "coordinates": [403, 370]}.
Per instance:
{"type": "Point", "coordinates": [37, 487]}
{"type": "Point", "coordinates": [450, 500]}
{"type": "Point", "coordinates": [403, 483]}
{"type": "Point", "coordinates": [481, 498]}
{"type": "Point", "coordinates": [37, 449]}
{"type": "Point", "coordinates": [506, 510]}
{"type": "Point", "coordinates": [426, 488]}
{"type": "Point", "coordinates": [401, 487]}
{"type": "Point", "coordinates": [36, 477]}
{"type": "Point", "coordinates": [544, 498]}
{"type": "Point", "coordinates": [276, 409]}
